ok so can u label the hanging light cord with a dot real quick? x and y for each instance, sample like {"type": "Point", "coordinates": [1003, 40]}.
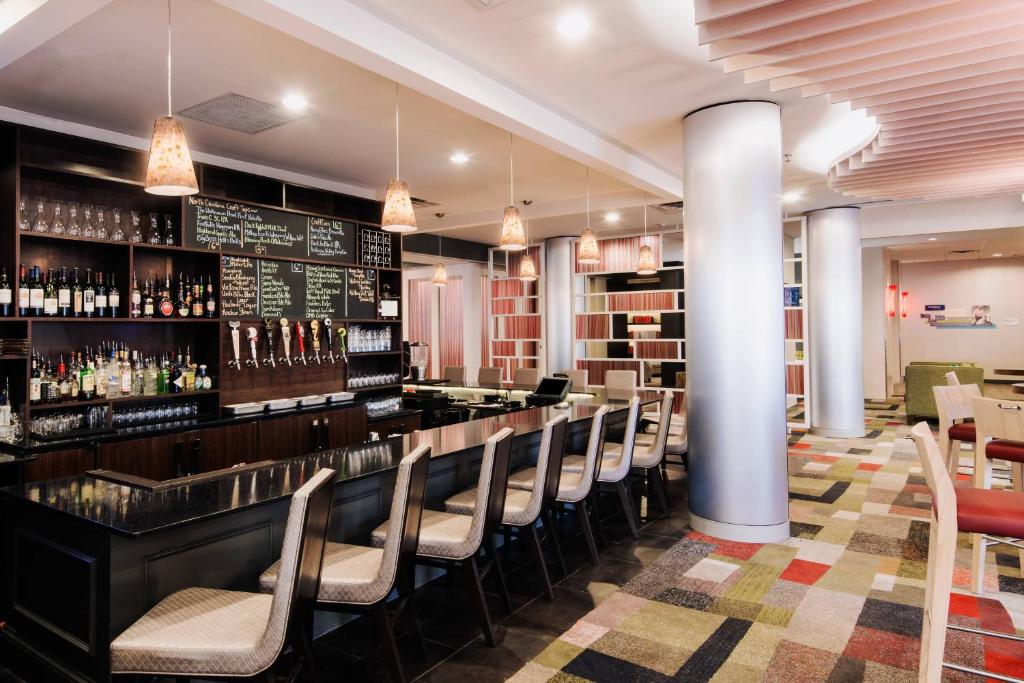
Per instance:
{"type": "Point", "coordinates": [588, 196]}
{"type": "Point", "coordinates": [169, 110]}
{"type": "Point", "coordinates": [511, 174]}
{"type": "Point", "coordinates": [645, 214]}
{"type": "Point", "coordinates": [397, 157]}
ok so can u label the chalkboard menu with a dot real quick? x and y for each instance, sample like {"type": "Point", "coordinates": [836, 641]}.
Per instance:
{"type": "Point", "coordinates": [265, 288]}
{"type": "Point", "coordinates": [362, 293]}
{"type": "Point", "coordinates": [223, 225]}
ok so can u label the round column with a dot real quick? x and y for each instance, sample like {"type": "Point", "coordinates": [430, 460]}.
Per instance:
{"type": "Point", "coordinates": [735, 355]}
{"type": "Point", "coordinates": [558, 305]}
{"type": "Point", "coordinates": [835, 322]}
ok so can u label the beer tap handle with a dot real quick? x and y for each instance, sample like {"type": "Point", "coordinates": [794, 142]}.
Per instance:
{"type": "Point", "coordinates": [236, 363]}
{"type": "Point", "coordinates": [251, 334]}
{"type": "Point", "coordinates": [300, 334]}
{"type": "Point", "coordinates": [328, 333]}
{"type": "Point", "coordinates": [341, 344]}
{"type": "Point", "coordinates": [269, 326]}
{"type": "Point", "coordinates": [314, 334]}
{"type": "Point", "coordinates": [286, 341]}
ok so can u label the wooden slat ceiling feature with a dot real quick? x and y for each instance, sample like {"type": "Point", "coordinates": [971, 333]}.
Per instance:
{"type": "Point", "coordinates": [944, 80]}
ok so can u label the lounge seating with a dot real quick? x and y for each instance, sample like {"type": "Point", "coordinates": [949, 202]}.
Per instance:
{"type": "Point", "coordinates": [921, 376]}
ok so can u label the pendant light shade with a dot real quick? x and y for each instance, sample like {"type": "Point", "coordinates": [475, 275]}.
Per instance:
{"type": "Point", "coordinates": [440, 278]}
{"type": "Point", "coordinates": [513, 237]}
{"type": "Point", "coordinates": [398, 214]}
{"type": "Point", "coordinates": [170, 171]}
{"type": "Point", "coordinates": [645, 265]}
{"type": "Point", "coordinates": [589, 252]}
{"type": "Point", "coordinates": [527, 269]}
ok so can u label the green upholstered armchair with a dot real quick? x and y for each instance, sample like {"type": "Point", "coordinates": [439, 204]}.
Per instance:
{"type": "Point", "coordinates": [921, 376]}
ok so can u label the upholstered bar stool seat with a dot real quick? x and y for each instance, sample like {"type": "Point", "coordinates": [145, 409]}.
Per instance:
{"type": "Point", "coordinates": [348, 571]}
{"type": "Point", "coordinates": [517, 503]}
{"type": "Point", "coordinates": [567, 483]}
{"type": "Point", "coordinates": [988, 511]}
{"type": "Point", "coordinates": [197, 630]}
{"type": "Point", "coordinates": [610, 460]}
{"type": "Point", "coordinates": [443, 535]}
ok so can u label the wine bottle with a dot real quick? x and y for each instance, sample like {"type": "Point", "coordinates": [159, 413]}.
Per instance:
{"type": "Point", "coordinates": [5, 294]}
{"type": "Point", "coordinates": [35, 292]}
{"type": "Point", "coordinates": [113, 297]}
{"type": "Point", "coordinates": [23, 292]}
{"type": "Point", "coordinates": [50, 294]}
{"type": "Point", "coordinates": [101, 296]}
{"type": "Point", "coordinates": [88, 295]}
{"type": "Point", "coordinates": [76, 294]}
{"type": "Point", "coordinates": [64, 293]}
{"type": "Point", "coordinates": [35, 382]}
{"type": "Point", "coordinates": [148, 304]}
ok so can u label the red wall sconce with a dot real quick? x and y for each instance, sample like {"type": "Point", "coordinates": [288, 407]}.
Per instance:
{"type": "Point", "coordinates": [903, 305]}
{"type": "Point", "coordinates": [890, 301]}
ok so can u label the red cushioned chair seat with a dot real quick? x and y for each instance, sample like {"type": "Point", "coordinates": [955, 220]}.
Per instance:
{"type": "Point", "coordinates": [985, 511]}
{"type": "Point", "coordinates": [963, 431]}
{"type": "Point", "coordinates": [1005, 450]}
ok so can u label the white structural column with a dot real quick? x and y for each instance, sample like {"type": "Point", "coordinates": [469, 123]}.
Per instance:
{"type": "Point", "coordinates": [835, 322]}
{"type": "Point", "coordinates": [736, 380]}
{"type": "Point", "coordinates": [559, 306]}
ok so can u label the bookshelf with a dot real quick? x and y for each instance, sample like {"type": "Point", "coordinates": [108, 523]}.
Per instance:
{"type": "Point", "coordinates": [515, 312]}
{"type": "Point", "coordinates": [794, 303]}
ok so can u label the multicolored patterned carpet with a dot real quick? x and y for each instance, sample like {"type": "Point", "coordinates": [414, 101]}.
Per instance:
{"type": "Point", "coordinates": [838, 601]}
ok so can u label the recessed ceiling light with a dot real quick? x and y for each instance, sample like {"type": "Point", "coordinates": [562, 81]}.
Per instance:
{"type": "Point", "coordinates": [612, 217]}
{"type": "Point", "coordinates": [459, 158]}
{"type": "Point", "coordinates": [998, 254]}
{"type": "Point", "coordinates": [293, 101]}
{"type": "Point", "coordinates": [574, 25]}
{"type": "Point", "coordinates": [793, 196]}
{"type": "Point", "coordinates": [932, 239]}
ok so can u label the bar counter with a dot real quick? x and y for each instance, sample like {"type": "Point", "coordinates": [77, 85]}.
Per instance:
{"type": "Point", "coordinates": [85, 557]}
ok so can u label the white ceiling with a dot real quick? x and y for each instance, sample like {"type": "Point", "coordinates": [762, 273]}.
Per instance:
{"type": "Point", "coordinates": [961, 246]}
{"type": "Point", "coordinates": [628, 84]}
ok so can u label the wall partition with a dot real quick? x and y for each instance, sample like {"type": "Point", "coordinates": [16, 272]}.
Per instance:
{"type": "Point", "coordinates": [515, 312]}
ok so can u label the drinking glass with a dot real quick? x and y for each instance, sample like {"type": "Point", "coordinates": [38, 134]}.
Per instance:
{"type": "Point", "coordinates": [118, 234]}
{"type": "Point", "coordinates": [169, 230]}
{"type": "Point", "coordinates": [102, 229]}
{"type": "Point", "coordinates": [154, 229]}
{"type": "Point", "coordinates": [24, 220]}
{"type": "Point", "coordinates": [89, 226]}
{"type": "Point", "coordinates": [59, 224]}
{"type": "Point", "coordinates": [39, 223]}
{"type": "Point", "coordinates": [77, 217]}
{"type": "Point", "coordinates": [136, 227]}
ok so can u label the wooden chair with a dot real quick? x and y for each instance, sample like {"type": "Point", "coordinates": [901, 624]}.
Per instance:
{"type": "Point", "coordinates": [574, 488]}
{"type": "Point", "coordinates": [455, 374]}
{"type": "Point", "coordinates": [208, 632]}
{"type": "Point", "coordinates": [448, 540]}
{"type": "Point", "coordinates": [952, 380]}
{"type": "Point", "coordinates": [523, 507]}
{"type": "Point", "coordinates": [954, 407]}
{"type": "Point", "coordinates": [526, 377]}
{"type": "Point", "coordinates": [1000, 435]}
{"type": "Point", "coordinates": [648, 454]}
{"type": "Point", "coordinates": [992, 514]}
{"type": "Point", "coordinates": [359, 579]}
{"type": "Point", "coordinates": [578, 377]}
{"type": "Point", "coordinates": [489, 377]}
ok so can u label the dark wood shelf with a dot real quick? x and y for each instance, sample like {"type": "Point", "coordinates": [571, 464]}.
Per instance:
{"type": "Point", "coordinates": [174, 248]}
{"type": "Point", "coordinates": [121, 400]}
{"type": "Point", "coordinates": [378, 387]}
{"type": "Point", "coordinates": [81, 173]}
{"type": "Point", "coordinates": [23, 234]}
{"type": "Point", "coordinates": [12, 356]}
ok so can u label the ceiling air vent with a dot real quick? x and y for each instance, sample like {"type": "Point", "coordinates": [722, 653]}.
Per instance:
{"type": "Point", "coordinates": [961, 252]}
{"type": "Point", "coordinates": [423, 203]}
{"type": "Point", "coordinates": [670, 207]}
{"type": "Point", "coordinates": [486, 4]}
{"type": "Point", "coordinates": [241, 113]}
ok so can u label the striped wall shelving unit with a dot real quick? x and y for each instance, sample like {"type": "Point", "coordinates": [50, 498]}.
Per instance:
{"type": "Point", "coordinates": [515, 312]}
{"type": "Point", "coordinates": [794, 302]}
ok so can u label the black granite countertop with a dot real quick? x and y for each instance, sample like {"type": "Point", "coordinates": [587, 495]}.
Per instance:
{"type": "Point", "coordinates": [131, 511]}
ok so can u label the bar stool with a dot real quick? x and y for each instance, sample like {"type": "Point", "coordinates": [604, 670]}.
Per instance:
{"type": "Point", "coordinates": [448, 541]}
{"type": "Point", "coordinates": [954, 407]}
{"type": "Point", "coordinates": [677, 443]}
{"type": "Point", "coordinates": [649, 453]}
{"type": "Point", "coordinates": [523, 507]}
{"type": "Point", "coordinates": [359, 579]}
{"type": "Point", "coordinates": [574, 488]}
{"type": "Point", "coordinates": [615, 465]}
{"type": "Point", "coordinates": [213, 632]}
{"type": "Point", "coordinates": [489, 377]}
{"type": "Point", "coordinates": [995, 515]}
{"type": "Point", "coordinates": [455, 374]}
{"type": "Point", "coordinates": [526, 377]}
{"type": "Point", "coordinates": [578, 377]}
{"type": "Point", "coordinates": [620, 379]}
{"type": "Point", "coordinates": [1000, 435]}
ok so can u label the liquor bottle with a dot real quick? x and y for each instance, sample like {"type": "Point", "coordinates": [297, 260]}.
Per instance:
{"type": "Point", "coordinates": [101, 296]}
{"type": "Point", "coordinates": [203, 381]}
{"type": "Point", "coordinates": [113, 297]}
{"type": "Point", "coordinates": [65, 383]}
{"type": "Point", "coordinates": [23, 292]}
{"type": "Point", "coordinates": [184, 307]}
{"type": "Point", "coordinates": [211, 302]}
{"type": "Point", "coordinates": [100, 375]}
{"type": "Point", "coordinates": [50, 295]}
{"type": "Point", "coordinates": [35, 292]}
{"type": "Point", "coordinates": [175, 379]}
{"type": "Point", "coordinates": [5, 294]}
{"type": "Point", "coordinates": [138, 375]}
{"type": "Point", "coordinates": [149, 378]}
{"type": "Point", "coordinates": [35, 382]}
{"type": "Point", "coordinates": [87, 382]}
{"type": "Point", "coordinates": [88, 295]}
{"type": "Point", "coordinates": [166, 305]}
{"type": "Point", "coordinates": [187, 287]}
{"type": "Point", "coordinates": [161, 377]}
{"type": "Point", "coordinates": [76, 294]}
{"type": "Point", "coordinates": [127, 375]}
{"type": "Point", "coordinates": [113, 375]}
{"type": "Point", "coordinates": [44, 382]}
{"type": "Point", "coordinates": [136, 294]}
{"type": "Point", "coordinates": [64, 293]}
{"type": "Point", "coordinates": [148, 304]}
{"type": "Point", "coordinates": [197, 297]}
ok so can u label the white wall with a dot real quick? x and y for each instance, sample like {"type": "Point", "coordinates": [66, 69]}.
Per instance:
{"type": "Point", "coordinates": [891, 219]}
{"type": "Point", "coordinates": [960, 284]}
{"type": "Point", "coordinates": [873, 308]}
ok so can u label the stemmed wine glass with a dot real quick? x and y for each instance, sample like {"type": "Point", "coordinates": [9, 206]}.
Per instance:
{"type": "Point", "coordinates": [115, 217]}
{"type": "Point", "coordinates": [136, 227]}
{"type": "Point", "coordinates": [102, 231]}
{"type": "Point", "coordinates": [24, 222]}
{"type": "Point", "coordinates": [39, 224]}
{"type": "Point", "coordinates": [154, 229]}
{"type": "Point", "coordinates": [59, 225]}
{"type": "Point", "coordinates": [168, 230]}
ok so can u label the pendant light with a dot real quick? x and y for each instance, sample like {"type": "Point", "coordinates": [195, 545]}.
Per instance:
{"type": "Point", "coordinates": [170, 171]}
{"type": "Point", "coordinates": [440, 278]}
{"type": "Point", "coordinates": [645, 265]}
{"type": "Point", "coordinates": [527, 268]}
{"type": "Point", "coordinates": [513, 238]}
{"type": "Point", "coordinates": [589, 251]}
{"type": "Point", "coordinates": [398, 215]}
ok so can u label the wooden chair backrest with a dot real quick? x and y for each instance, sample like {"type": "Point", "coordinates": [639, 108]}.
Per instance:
{"type": "Point", "coordinates": [998, 419]}
{"type": "Point", "coordinates": [954, 402]}
{"type": "Point", "coordinates": [952, 380]}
